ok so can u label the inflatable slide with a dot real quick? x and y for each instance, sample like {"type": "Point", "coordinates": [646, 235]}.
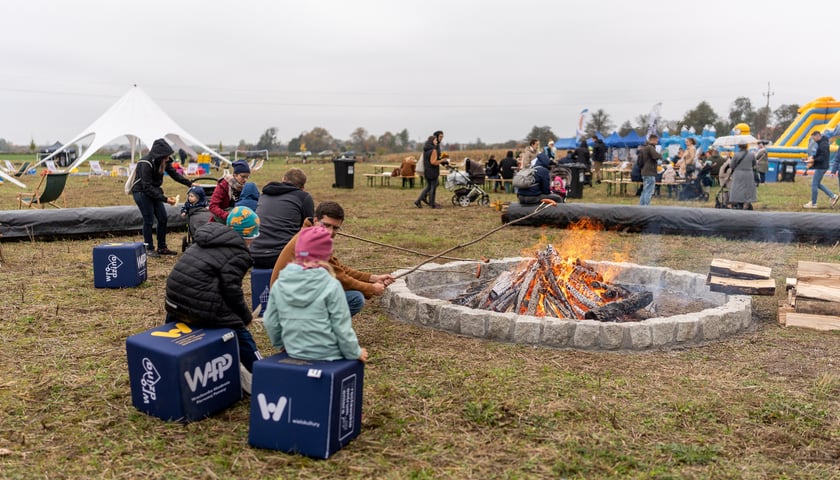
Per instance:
{"type": "Point", "coordinates": [821, 114]}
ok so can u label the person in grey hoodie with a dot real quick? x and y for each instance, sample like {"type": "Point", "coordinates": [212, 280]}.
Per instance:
{"type": "Point", "coordinates": [307, 314]}
{"type": "Point", "coordinates": [282, 208]}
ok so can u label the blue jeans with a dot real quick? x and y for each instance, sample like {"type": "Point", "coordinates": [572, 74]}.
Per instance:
{"type": "Point", "coordinates": [816, 184]}
{"type": "Point", "coordinates": [248, 352]}
{"type": "Point", "coordinates": [150, 210]}
{"type": "Point", "coordinates": [647, 190]}
{"type": "Point", "coordinates": [355, 300]}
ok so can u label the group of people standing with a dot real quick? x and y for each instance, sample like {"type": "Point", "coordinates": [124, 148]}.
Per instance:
{"type": "Point", "coordinates": [313, 296]}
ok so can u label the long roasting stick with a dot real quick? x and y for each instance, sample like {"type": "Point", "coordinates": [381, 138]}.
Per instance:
{"type": "Point", "coordinates": [545, 203]}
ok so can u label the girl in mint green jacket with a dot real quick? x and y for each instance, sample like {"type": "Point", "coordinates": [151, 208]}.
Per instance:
{"type": "Point", "coordinates": [307, 312]}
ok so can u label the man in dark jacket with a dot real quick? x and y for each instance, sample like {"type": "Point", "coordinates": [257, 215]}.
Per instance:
{"type": "Point", "coordinates": [542, 188]}
{"type": "Point", "coordinates": [282, 208]}
{"type": "Point", "coordinates": [599, 156]}
{"type": "Point", "coordinates": [204, 288]}
{"type": "Point", "coordinates": [149, 197]}
{"type": "Point", "coordinates": [819, 161]}
{"type": "Point", "coordinates": [506, 169]}
{"type": "Point", "coordinates": [648, 161]}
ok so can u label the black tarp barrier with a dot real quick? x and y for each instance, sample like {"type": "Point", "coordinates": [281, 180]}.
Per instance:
{"type": "Point", "coordinates": [71, 222]}
{"type": "Point", "coordinates": [782, 227]}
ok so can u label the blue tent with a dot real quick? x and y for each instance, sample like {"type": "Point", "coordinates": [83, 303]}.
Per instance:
{"type": "Point", "coordinates": [566, 143]}
{"type": "Point", "coordinates": [614, 140]}
{"type": "Point", "coordinates": [633, 140]}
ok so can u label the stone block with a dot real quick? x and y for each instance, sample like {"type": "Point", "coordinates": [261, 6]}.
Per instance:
{"type": "Point", "coordinates": [499, 326]}
{"type": "Point", "coordinates": [449, 317]}
{"type": "Point", "coordinates": [612, 335]}
{"type": "Point", "coordinates": [639, 334]}
{"type": "Point", "coordinates": [586, 334]}
{"type": "Point", "coordinates": [687, 326]}
{"type": "Point", "coordinates": [526, 329]}
{"type": "Point", "coordinates": [661, 331]}
{"type": "Point", "coordinates": [711, 324]}
{"type": "Point", "coordinates": [558, 332]}
{"type": "Point", "coordinates": [474, 323]}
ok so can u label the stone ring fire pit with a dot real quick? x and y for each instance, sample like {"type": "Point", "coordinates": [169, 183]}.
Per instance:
{"type": "Point", "coordinates": [684, 311]}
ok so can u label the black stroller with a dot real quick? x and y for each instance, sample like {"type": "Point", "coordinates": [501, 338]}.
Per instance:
{"type": "Point", "coordinates": [196, 217]}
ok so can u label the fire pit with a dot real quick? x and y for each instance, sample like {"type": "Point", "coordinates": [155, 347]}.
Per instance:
{"type": "Point", "coordinates": [683, 310]}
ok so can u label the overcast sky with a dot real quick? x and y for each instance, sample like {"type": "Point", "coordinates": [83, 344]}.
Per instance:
{"type": "Point", "coordinates": [485, 69]}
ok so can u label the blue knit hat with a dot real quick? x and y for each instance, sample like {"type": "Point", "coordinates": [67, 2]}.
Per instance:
{"type": "Point", "coordinates": [240, 166]}
{"type": "Point", "coordinates": [244, 221]}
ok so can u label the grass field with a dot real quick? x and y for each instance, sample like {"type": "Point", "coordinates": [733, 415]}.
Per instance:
{"type": "Point", "coordinates": [761, 405]}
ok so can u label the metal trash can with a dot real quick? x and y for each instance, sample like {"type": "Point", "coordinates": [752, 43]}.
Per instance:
{"type": "Point", "coordinates": [575, 176]}
{"type": "Point", "coordinates": [344, 170]}
{"type": "Point", "coordinates": [788, 170]}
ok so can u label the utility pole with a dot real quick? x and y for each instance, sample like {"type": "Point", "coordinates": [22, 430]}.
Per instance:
{"type": "Point", "coordinates": [767, 94]}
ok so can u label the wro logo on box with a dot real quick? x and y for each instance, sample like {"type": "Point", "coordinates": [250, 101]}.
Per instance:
{"type": "Point", "coordinates": [213, 370]}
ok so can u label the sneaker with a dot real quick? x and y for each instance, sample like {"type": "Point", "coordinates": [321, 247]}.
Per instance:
{"type": "Point", "coordinates": [418, 204]}
{"type": "Point", "coordinates": [245, 378]}
{"type": "Point", "coordinates": [166, 251]}
{"type": "Point", "coordinates": [834, 200]}
{"type": "Point", "coordinates": [810, 205]}
{"type": "Point", "coordinates": [152, 254]}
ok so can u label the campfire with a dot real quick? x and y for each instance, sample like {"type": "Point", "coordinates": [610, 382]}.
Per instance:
{"type": "Point", "coordinates": [555, 286]}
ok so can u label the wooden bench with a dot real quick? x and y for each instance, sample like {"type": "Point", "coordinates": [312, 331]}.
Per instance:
{"type": "Point", "coordinates": [384, 180]}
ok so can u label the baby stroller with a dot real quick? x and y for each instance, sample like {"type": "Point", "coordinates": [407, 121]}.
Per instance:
{"type": "Point", "coordinates": [198, 216]}
{"type": "Point", "coordinates": [722, 197]}
{"type": "Point", "coordinates": [466, 190]}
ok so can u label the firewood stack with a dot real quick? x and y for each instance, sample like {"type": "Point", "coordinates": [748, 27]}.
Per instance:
{"type": "Point", "coordinates": [813, 297]}
{"type": "Point", "coordinates": [551, 285]}
{"type": "Point", "coordinates": [739, 278]}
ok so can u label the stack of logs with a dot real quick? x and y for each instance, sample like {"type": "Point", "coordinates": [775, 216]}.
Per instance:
{"type": "Point", "coordinates": [551, 285]}
{"type": "Point", "coordinates": [739, 278]}
{"type": "Point", "coordinates": [813, 299]}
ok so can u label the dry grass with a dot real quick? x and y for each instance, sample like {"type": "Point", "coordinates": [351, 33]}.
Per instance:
{"type": "Point", "coordinates": [761, 405]}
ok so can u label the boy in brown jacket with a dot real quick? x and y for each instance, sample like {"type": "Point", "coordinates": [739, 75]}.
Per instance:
{"type": "Point", "coordinates": [357, 285]}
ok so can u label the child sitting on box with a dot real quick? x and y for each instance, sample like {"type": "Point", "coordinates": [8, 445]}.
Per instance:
{"type": "Point", "coordinates": [204, 288]}
{"type": "Point", "coordinates": [307, 311]}
{"type": "Point", "coordinates": [196, 198]}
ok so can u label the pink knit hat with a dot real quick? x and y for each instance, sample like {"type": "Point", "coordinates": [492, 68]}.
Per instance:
{"type": "Point", "coordinates": [314, 244]}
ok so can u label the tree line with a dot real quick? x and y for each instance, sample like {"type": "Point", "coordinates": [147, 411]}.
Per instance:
{"type": "Point", "coordinates": [765, 123]}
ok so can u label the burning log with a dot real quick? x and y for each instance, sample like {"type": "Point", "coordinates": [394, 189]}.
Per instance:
{"type": "Point", "coordinates": [555, 286]}
{"type": "Point", "coordinates": [615, 311]}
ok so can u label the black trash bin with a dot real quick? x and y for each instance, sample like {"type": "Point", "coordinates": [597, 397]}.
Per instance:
{"type": "Point", "coordinates": [788, 170]}
{"type": "Point", "coordinates": [344, 169]}
{"type": "Point", "coordinates": [575, 176]}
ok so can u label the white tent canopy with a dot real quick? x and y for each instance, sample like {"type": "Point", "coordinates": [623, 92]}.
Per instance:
{"type": "Point", "coordinates": [137, 117]}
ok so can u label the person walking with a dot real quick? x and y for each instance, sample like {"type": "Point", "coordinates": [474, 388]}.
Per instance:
{"type": "Point", "coordinates": [761, 164]}
{"type": "Point", "coordinates": [819, 162]}
{"type": "Point", "coordinates": [599, 156]}
{"type": "Point", "coordinates": [149, 197]}
{"type": "Point", "coordinates": [742, 192]}
{"type": "Point", "coordinates": [431, 170]}
{"type": "Point", "coordinates": [648, 158]}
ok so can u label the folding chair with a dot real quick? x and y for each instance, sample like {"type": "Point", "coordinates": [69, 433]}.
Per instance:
{"type": "Point", "coordinates": [16, 171]}
{"type": "Point", "coordinates": [257, 165]}
{"type": "Point", "coordinates": [51, 167]}
{"type": "Point", "coordinates": [96, 169]}
{"type": "Point", "coordinates": [53, 184]}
